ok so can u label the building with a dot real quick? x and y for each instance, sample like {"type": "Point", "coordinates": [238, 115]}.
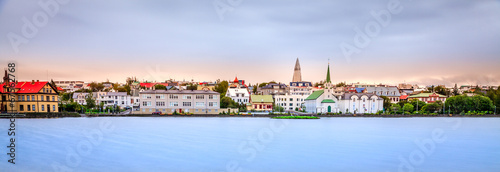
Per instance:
{"type": "Point", "coordinates": [428, 97]}
{"type": "Point", "coordinates": [273, 89]}
{"type": "Point", "coordinates": [390, 92]}
{"type": "Point", "coordinates": [261, 103]}
{"type": "Point", "coordinates": [329, 100]}
{"type": "Point", "coordinates": [238, 92]}
{"type": "Point", "coordinates": [121, 99]}
{"type": "Point", "coordinates": [34, 96]}
{"type": "Point", "coordinates": [180, 101]}
{"type": "Point", "coordinates": [70, 86]}
{"type": "Point", "coordinates": [290, 102]}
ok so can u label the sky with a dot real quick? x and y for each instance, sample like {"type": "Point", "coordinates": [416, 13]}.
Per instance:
{"type": "Point", "coordinates": [369, 41]}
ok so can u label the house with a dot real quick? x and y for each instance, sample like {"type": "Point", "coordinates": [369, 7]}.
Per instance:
{"type": "Point", "coordinates": [290, 102]}
{"type": "Point", "coordinates": [428, 97]}
{"type": "Point", "coordinates": [121, 99]}
{"type": "Point", "coordinates": [273, 89]}
{"type": "Point", "coordinates": [238, 92]}
{"type": "Point", "coordinates": [261, 103]}
{"type": "Point", "coordinates": [70, 86]}
{"type": "Point", "coordinates": [390, 92]}
{"type": "Point", "coordinates": [34, 96]}
{"type": "Point", "coordinates": [180, 101]}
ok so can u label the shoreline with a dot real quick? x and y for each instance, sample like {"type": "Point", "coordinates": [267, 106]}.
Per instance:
{"type": "Point", "coordinates": [76, 115]}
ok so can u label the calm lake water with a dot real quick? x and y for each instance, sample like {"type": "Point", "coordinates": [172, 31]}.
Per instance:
{"type": "Point", "coordinates": [253, 144]}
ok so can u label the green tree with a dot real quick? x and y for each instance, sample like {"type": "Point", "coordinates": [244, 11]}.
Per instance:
{"type": "Point", "coordinates": [408, 107]}
{"type": "Point", "coordinates": [387, 103]}
{"type": "Point", "coordinates": [227, 102]}
{"type": "Point", "coordinates": [90, 101]}
{"type": "Point", "coordinates": [263, 84]}
{"type": "Point", "coordinates": [160, 87]}
{"type": "Point", "coordinates": [340, 84]}
{"type": "Point", "coordinates": [396, 108]}
{"type": "Point", "coordinates": [417, 104]}
{"type": "Point", "coordinates": [432, 107]}
{"type": "Point", "coordinates": [221, 88]}
{"type": "Point", "coordinates": [255, 88]}
{"type": "Point", "coordinates": [96, 86]}
{"type": "Point", "coordinates": [192, 87]}
{"type": "Point", "coordinates": [279, 109]}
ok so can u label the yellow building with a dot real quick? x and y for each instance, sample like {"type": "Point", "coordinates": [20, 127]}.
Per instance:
{"type": "Point", "coordinates": [28, 97]}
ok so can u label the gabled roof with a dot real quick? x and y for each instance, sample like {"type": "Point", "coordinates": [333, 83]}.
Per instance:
{"type": "Point", "coordinates": [315, 95]}
{"type": "Point", "coordinates": [425, 95]}
{"type": "Point", "coordinates": [27, 87]}
{"type": "Point", "coordinates": [403, 97]}
{"type": "Point", "coordinates": [328, 101]}
{"type": "Point", "coordinates": [261, 98]}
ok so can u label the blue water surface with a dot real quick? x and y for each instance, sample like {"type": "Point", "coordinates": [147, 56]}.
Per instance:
{"type": "Point", "coordinates": [252, 144]}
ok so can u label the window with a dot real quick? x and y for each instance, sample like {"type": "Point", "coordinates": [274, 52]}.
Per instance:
{"type": "Point", "coordinates": [200, 96]}
{"type": "Point", "coordinates": [160, 103]}
{"type": "Point", "coordinates": [291, 99]}
{"type": "Point", "coordinates": [212, 97]}
{"type": "Point", "coordinates": [291, 104]}
{"type": "Point", "coordinates": [41, 98]}
{"type": "Point", "coordinates": [21, 107]}
{"type": "Point", "coordinates": [53, 108]}
{"type": "Point", "coordinates": [212, 104]}
{"type": "Point", "coordinates": [160, 96]}
{"type": "Point", "coordinates": [174, 96]}
{"type": "Point", "coordinates": [29, 107]}
{"type": "Point", "coordinates": [186, 97]}
{"type": "Point", "coordinates": [43, 107]}
{"type": "Point", "coordinates": [186, 103]}
{"type": "Point", "coordinates": [53, 98]}
{"type": "Point", "coordinates": [200, 104]}
{"type": "Point", "coordinates": [145, 96]}
{"type": "Point", "coordinates": [146, 103]}
{"type": "Point", "coordinates": [33, 107]}
{"type": "Point", "coordinates": [174, 104]}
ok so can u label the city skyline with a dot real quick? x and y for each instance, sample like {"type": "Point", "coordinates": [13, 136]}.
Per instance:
{"type": "Point", "coordinates": [258, 41]}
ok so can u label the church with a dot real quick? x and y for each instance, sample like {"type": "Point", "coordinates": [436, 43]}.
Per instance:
{"type": "Point", "coordinates": [330, 100]}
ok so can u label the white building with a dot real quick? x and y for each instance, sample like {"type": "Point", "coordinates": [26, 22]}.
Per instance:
{"type": "Point", "coordinates": [180, 101]}
{"type": "Point", "coordinates": [121, 99]}
{"type": "Point", "coordinates": [238, 92]}
{"type": "Point", "coordinates": [390, 92]}
{"type": "Point", "coordinates": [290, 102]}
{"type": "Point", "coordinates": [331, 100]}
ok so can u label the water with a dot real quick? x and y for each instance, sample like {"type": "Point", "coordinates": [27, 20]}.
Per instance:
{"type": "Point", "coordinates": [254, 144]}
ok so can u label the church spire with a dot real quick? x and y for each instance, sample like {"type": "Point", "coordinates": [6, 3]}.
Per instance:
{"type": "Point", "coordinates": [328, 73]}
{"type": "Point", "coordinates": [297, 76]}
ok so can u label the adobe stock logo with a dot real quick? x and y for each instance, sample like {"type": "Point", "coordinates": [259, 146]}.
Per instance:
{"type": "Point", "coordinates": [39, 19]}
{"type": "Point", "coordinates": [372, 29]}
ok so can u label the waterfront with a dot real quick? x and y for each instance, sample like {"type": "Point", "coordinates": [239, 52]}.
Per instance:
{"type": "Point", "coordinates": [254, 144]}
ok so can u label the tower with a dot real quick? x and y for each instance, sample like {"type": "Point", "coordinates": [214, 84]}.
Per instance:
{"type": "Point", "coordinates": [328, 81]}
{"type": "Point", "coordinates": [297, 76]}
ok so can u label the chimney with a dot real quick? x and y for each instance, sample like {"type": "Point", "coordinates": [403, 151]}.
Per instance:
{"type": "Point", "coordinates": [37, 80]}
{"type": "Point", "coordinates": [32, 82]}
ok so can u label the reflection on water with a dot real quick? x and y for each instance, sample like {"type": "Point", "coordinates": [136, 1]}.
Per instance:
{"type": "Point", "coordinates": [254, 144]}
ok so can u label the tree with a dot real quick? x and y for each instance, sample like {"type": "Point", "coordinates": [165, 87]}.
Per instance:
{"type": "Point", "coordinates": [96, 86]}
{"type": "Point", "coordinates": [455, 90]}
{"type": "Point", "coordinates": [90, 101]}
{"type": "Point", "coordinates": [340, 84]}
{"type": "Point", "coordinates": [417, 104]}
{"type": "Point", "coordinates": [396, 108]}
{"type": "Point", "coordinates": [227, 102]}
{"type": "Point", "coordinates": [160, 87]}
{"type": "Point", "coordinates": [387, 102]}
{"type": "Point", "coordinates": [221, 88]}
{"type": "Point", "coordinates": [408, 107]}
{"type": "Point", "coordinates": [263, 84]}
{"type": "Point", "coordinates": [192, 87]}
{"type": "Point", "coordinates": [432, 107]}
{"type": "Point", "coordinates": [279, 109]}
{"type": "Point", "coordinates": [441, 90]}
{"type": "Point", "coordinates": [255, 88]}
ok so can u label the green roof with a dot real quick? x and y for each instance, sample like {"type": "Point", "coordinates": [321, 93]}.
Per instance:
{"type": "Point", "coordinates": [425, 95]}
{"type": "Point", "coordinates": [262, 98]}
{"type": "Point", "coordinates": [315, 95]}
{"type": "Point", "coordinates": [328, 101]}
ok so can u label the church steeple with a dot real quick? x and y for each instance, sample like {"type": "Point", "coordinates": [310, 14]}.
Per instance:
{"type": "Point", "coordinates": [328, 73]}
{"type": "Point", "coordinates": [297, 76]}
